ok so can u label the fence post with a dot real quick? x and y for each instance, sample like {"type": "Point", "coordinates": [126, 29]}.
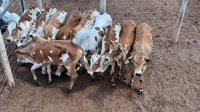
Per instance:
{"type": "Point", "coordinates": [39, 2]}
{"type": "Point", "coordinates": [5, 63]}
{"type": "Point", "coordinates": [6, 8]}
{"type": "Point", "coordinates": [179, 20]}
{"type": "Point", "coordinates": [23, 6]}
{"type": "Point", "coordinates": [102, 6]}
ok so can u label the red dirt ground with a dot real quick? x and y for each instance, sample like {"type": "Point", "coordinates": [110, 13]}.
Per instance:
{"type": "Point", "coordinates": [172, 82]}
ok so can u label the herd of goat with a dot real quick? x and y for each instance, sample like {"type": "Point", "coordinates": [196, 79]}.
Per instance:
{"type": "Point", "coordinates": [90, 41]}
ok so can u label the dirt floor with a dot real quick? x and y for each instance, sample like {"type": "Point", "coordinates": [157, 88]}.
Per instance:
{"type": "Point", "coordinates": [172, 82]}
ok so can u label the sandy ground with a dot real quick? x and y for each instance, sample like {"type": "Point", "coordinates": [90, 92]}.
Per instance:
{"type": "Point", "coordinates": [172, 82]}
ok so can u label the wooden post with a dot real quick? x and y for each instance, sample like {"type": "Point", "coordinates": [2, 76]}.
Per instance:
{"type": "Point", "coordinates": [39, 2]}
{"type": "Point", "coordinates": [6, 63]}
{"type": "Point", "coordinates": [102, 6]}
{"type": "Point", "coordinates": [23, 6]}
{"type": "Point", "coordinates": [179, 20]}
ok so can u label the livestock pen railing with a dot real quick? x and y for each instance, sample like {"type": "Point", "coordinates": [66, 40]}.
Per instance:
{"type": "Point", "coordinates": [8, 64]}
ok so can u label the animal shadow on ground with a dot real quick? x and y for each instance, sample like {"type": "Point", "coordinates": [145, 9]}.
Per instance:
{"type": "Point", "coordinates": [24, 73]}
{"type": "Point", "coordinates": [102, 86]}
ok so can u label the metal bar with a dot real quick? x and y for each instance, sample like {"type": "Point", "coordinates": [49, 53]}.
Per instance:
{"type": "Point", "coordinates": [102, 6]}
{"type": "Point", "coordinates": [39, 2]}
{"type": "Point", "coordinates": [7, 7]}
{"type": "Point", "coordinates": [179, 20]}
{"type": "Point", "coordinates": [23, 6]}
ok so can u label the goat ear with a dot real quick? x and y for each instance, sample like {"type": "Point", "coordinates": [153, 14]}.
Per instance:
{"type": "Point", "coordinates": [129, 60]}
{"type": "Point", "coordinates": [148, 60]}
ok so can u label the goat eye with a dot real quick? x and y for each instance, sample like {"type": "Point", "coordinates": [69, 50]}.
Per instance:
{"type": "Point", "coordinates": [23, 37]}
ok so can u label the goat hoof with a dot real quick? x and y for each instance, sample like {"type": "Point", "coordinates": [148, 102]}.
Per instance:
{"type": "Point", "coordinates": [118, 78]}
{"type": "Point", "coordinates": [141, 92]}
{"type": "Point", "coordinates": [44, 72]}
{"type": "Point", "coordinates": [124, 82]}
{"type": "Point", "coordinates": [37, 82]}
{"type": "Point", "coordinates": [49, 82]}
{"type": "Point", "coordinates": [68, 91]}
{"type": "Point", "coordinates": [130, 86]}
{"type": "Point", "coordinates": [113, 85]}
{"type": "Point", "coordinates": [92, 80]}
{"type": "Point", "coordinates": [99, 77]}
